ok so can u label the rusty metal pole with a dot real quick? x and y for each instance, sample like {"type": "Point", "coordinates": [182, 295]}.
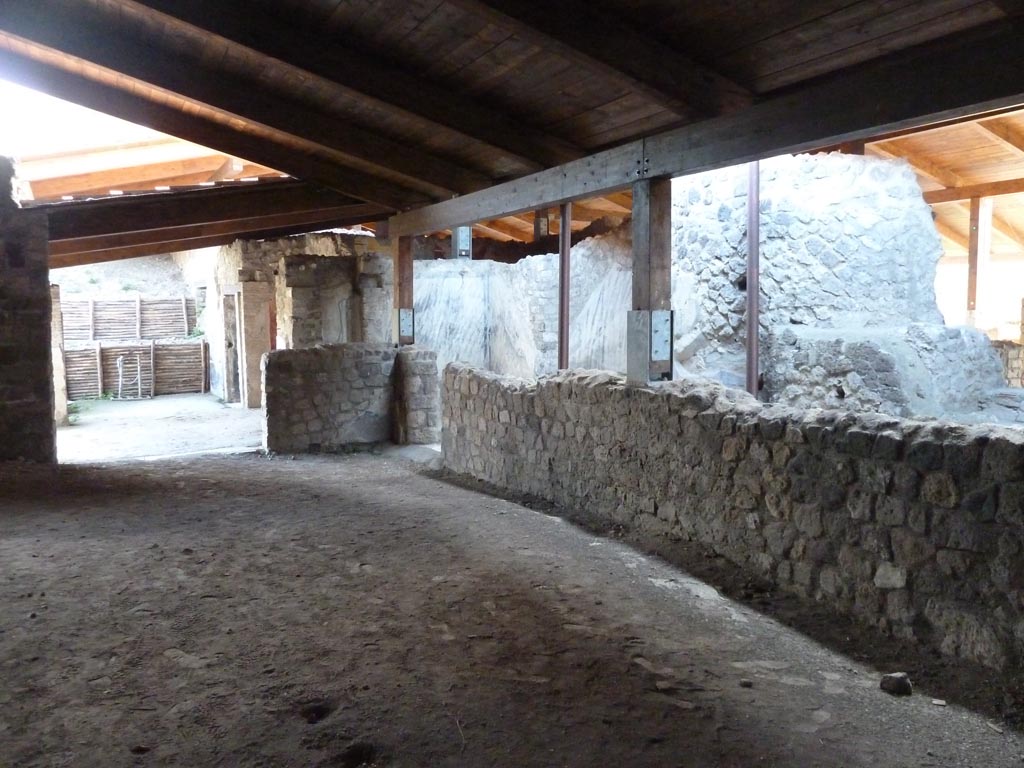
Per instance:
{"type": "Point", "coordinates": [753, 276]}
{"type": "Point", "coordinates": [564, 248]}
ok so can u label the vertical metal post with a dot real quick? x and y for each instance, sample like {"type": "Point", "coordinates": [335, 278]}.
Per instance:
{"type": "Point", "coordinates": [753, 276]}
{"type": "Point", "coordinates": [564, 249]}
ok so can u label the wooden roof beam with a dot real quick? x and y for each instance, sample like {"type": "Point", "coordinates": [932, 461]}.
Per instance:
{"type": "Point", "coordinates": [989, 189]}
{"type": "Point", "coordinates": [925, 166]}
{"type": "Point", "coordinates": [110, 41]}
{"type": "Point", "coordinates": [156, 248]}
{"type": "Point", "coordinates": [118, 215]}
{"type": "Point", "coordinates": [936, 81]}
{"type": "Point", "coordinates": [366, 77]}
{"type": "Point", "coordinates": [119, 178]}
{"type": "Point", "coordinates": [946, 232]}
{"type": "Point", "coordinates": [588, 36]}
{"type": "Point", "coordinates": [68, 86]}
{"type": "Point", "coordinates": [1008, 137]}
{"type": "Point", "coordinates": [493, 233]}
{"type": "Point", "coordinates": [317, 219]}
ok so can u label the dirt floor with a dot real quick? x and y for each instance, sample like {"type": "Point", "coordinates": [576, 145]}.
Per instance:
{"type": "Point", "coordinates": [169, 425]}
{"type": "Point", "coordinates": [347, 611]}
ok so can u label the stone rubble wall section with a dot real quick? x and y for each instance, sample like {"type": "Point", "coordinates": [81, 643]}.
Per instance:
{"type": "Point", "coordinates": [846, 242]}
{"type": "Point", "coordinates": [1012, 356]}
{"type": "Point", "coordinates": [26, 365]}
{"type": "Point", "coordinates": [419, 389]}
{"type": "Point", "coordinates": [307, 288]}
{"type": "Point", "coordinates": [327, 398]}
{"type": "Point", "coordinates": [919, 371]}
{"type": "Point", "coordinates": [505, 316]}
{"type": "Point", "coordinates": [916, 528]}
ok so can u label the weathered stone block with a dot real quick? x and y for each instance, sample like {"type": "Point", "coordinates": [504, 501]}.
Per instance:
{"type": "Point", "coordinates": [889, 576]}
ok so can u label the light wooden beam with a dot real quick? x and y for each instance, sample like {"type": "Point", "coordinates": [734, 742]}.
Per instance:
{"type": "Point", "coordinates": [929, 83]}
{"type": "Point", "coordinates": [989, 189]}
{"type": "Point", "coordinates": [953, 236]}
{"type": "Point", "coordinates": [509, 227]}
{"type": "Point", "coordinates": [494, 234]}
{"type": "Point", "coordinates": [188, 182]}
{"type": "Point", "coordinates": [123, 178]}
{"type": "Point", "coordinates": [95, 159]}
{"type": "Point", "coordinates": [370, 79]}
{"type": "Point", "coordinates": [112, 41]}
{"type": "Point", "coordinates": [1008, 137]}
{"type": "Point", "coordinates": [589, 37]}
{"type": "Point", "coordinates": [77, 89]}
{"type": "Point", "coordinates": [231, 169]}
{"type": "Point", "coordinates": [923, 165]}
{"type": "Point", "coordinates": [1002, 227]}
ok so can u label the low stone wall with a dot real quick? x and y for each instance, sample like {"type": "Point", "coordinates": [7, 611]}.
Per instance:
{"type": "Point", "coordinates": [417, 410]}
{"type": "Point", "coordinates": [330, 397]}
{"type": "Point", "coordinates": [1012, 356]}
{"type": "Point", "coordinates": [914, 527]}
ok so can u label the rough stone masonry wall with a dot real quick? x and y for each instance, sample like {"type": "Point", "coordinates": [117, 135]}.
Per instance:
{"type": "Point", "coordinates": [26, 370]}
{"type": "Point", "coordinates": [914, 527]}
{"type": "Point", "coordinates": [1012, 356]}
{"type": "Point", "coordinates": [330, 397]}
{"type": "Point", "coordinates": [257, 261]}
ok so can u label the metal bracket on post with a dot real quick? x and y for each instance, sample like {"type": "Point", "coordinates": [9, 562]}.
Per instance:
{"type": "Point", "coordinates": [649, 336]}
{"type": "Point", "coordinates": [662, 329]}
{"type": "Point", "coordinates": [406, 327]}
{"type": "Point", "coordinates": [462, 243]}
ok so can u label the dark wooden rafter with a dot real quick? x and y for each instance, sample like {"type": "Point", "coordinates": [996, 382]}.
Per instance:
{"type": "Point", "coordinates": [366, 77]}
{"type": "Point", "coordinates": [127, 227]}
{"type": "Point", "coordinates": [934, 82]}
{"type": "Point", "coordinates": [81, 221]}
{"type": "Point", "coordinates": [586, 35]}
{"type": "Point", "coordinates": [158, 247]}
{"type": "Point", "coordinates": [312, 220]}
{"type": "Point", "coordinates": [79, 90]}
{"type": "Point", "coordinates": [146, 61]}
{"type": "Point", "coordinates": [1010, 7]}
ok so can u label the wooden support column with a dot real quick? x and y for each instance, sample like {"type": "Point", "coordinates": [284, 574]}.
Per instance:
{"type": "Point", "coordinates": [649, 326]}
{"type": "Point", "coordinates": [753, 277]}
{"type": "Point", "coordinates": [564, 250]}
{"type": "Point", "coordinates": [979, 247]}
{"type": "Point", "coordinates": [403, 292]}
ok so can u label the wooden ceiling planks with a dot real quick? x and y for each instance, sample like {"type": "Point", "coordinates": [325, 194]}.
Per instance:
{"type": "Point", "coordinates": [424, 98]}
{"type": "Point", "coordinates": [853, 35]}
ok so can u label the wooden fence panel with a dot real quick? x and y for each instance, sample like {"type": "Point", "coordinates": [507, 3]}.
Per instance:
{"type": "Point", "coordinates": [135, 362]}
{"type": "Point", "coordinates": [128, 319]}
{"type": "Point", "coordinates": [80, 372]}
{"type": "Point", "coordinates": [178, 369]}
